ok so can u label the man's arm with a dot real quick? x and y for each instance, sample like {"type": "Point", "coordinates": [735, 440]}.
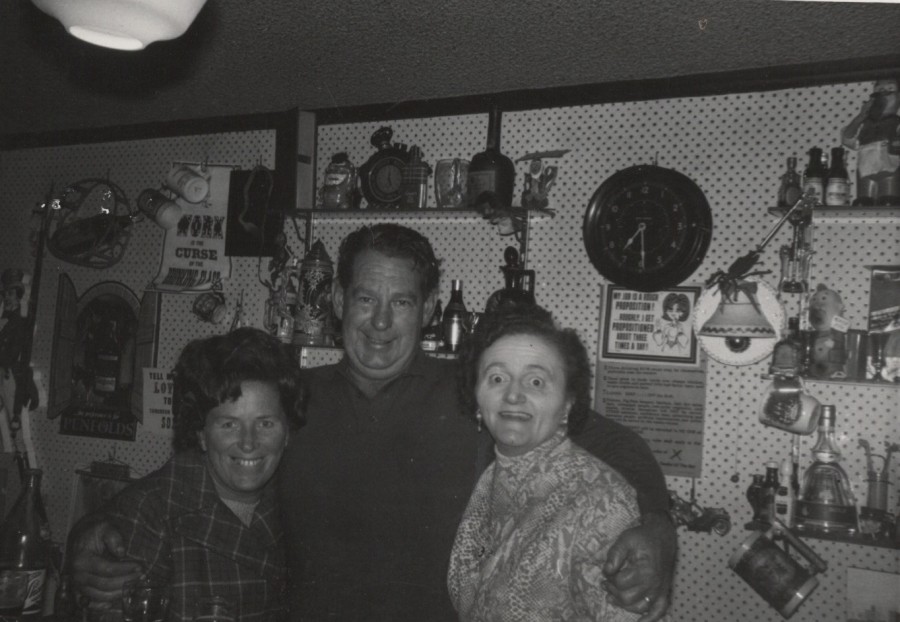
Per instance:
{"type": "Point", "coordinates": [96, 559]}
{"type": "Point", "coordinates": [641, 562]}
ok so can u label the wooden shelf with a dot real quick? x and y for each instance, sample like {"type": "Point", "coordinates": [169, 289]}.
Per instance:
{"type": "Point", "coordinates": [825, 213]}
{"type": "Point", "coordinates": [391, 213]}
{"type": "Point", "coordinates": [882, 542]}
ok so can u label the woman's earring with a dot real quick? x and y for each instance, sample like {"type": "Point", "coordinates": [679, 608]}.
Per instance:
{"type": "Point", "coordinates": [479, 418]}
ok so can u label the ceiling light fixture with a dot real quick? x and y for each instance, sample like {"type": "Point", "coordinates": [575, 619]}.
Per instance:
{"type": "Point", "coordinates": [123, 24]}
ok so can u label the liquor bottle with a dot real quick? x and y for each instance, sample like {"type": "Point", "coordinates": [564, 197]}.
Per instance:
{"type": "Point", "coordinates": [24, 553]}
{"type": "Point", "coordinates": [490, 171]}
{"type": "Point", "coordinates": [837, 186]}
{"type": "Point", "coordinates": [770, 488]}
{"type": "Point", "coordinates": [815, 174]}
{"type": "Point", "coordinates": [826, 502]}
{"type": "Point", "coordinates": [454, 320]}
{"type": "Point", "coordinates": [414, 181]}
{"type": "Point", "coordinates": [109, 356]}
{"type": "Point", "coordinates": [432, 334]}
{"type": "Point", "coordinates": [789, 192]}
{"type": "Point", "coordinates": [784, 496]}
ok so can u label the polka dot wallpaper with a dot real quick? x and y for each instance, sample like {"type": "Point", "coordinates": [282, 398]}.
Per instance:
{"type": "Point", "coordinates": [733, 146]}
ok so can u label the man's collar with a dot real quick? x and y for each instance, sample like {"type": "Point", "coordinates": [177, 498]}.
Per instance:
{"type": "Point", "coordinates": [416, 368]}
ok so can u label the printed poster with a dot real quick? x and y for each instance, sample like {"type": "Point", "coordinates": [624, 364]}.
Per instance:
{"type": "Point", "coordinates": [193, 257]}
{"type": "Point", "coordinates": [651, 375]}
{"type": "Point", "coordinates": [158, 384]}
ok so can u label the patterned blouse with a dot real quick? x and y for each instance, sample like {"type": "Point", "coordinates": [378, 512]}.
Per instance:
{"type": "Point", "coordinates": [533, 540]}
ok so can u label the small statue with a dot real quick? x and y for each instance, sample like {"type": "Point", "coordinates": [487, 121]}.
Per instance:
{"type": "Point", "coordinates": [875, 133]}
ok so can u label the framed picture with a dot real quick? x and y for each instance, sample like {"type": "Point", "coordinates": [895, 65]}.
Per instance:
{"type": "Point", "coordinates": [650, 326]}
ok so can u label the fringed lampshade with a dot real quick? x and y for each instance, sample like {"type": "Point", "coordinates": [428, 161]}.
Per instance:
{"type": "Point", "coordinates": [123, 24]}
{"type": "Point", "coordinates": [738, 318]}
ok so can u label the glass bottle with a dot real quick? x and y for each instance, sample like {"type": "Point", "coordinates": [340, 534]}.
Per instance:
{"type": "Point", "coordinates": [414, 181]}
{"type": "Point", "coordinates": [24, 552]}
{"type": "Point", "coordinates": [767, 497]}
{"type": "Point", "coordinates": [789, 192]}
{"type": "Point", "coordinates": [837, 186]}
{"type": "Point", "coordinates": [490, 170]}
{"type": "Point", "coordinates": [454, 320]}
{"type": "Point", "coordinates": [109, 356]}
{"type": "Point", "coordinates": [784, 496]}
{"type": "Point", "coordinates": [826, 501]}
{"type": "Point", "coordinates": [432, 334]}
{"type": "Point", "coordinates": [814, 175]}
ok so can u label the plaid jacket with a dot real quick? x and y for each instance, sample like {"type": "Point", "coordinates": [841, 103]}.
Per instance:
{"type": "Point", "coordinates": [174, 522]}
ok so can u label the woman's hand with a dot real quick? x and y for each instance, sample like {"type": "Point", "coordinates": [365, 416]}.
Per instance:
{"type": "Point", "coordinates": [640, 566]}
{"type": "Point", "coordinates": [97, 560]}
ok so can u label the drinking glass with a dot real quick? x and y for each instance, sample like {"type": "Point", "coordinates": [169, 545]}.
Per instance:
{"type": "Point", "coordinates": [144, 600]}
{"type": "Point", "coordinates": [214, 609]}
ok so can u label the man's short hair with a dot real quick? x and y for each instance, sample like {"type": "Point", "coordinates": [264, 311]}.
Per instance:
{"type": "Point", "coordinates": [393, 241]}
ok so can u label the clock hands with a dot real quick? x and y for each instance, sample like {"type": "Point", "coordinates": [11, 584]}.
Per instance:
{"type": "Point", "coordinates": [640, 232]}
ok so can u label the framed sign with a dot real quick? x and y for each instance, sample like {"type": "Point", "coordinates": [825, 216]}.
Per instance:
{"type": "Point", "coordinates": [650, 326]}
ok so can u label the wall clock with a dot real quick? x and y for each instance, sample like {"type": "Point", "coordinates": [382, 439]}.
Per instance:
{"type": "Point", "coordinates": [379, 177]}
{"type": "Point", "coordinates": [647, 228]}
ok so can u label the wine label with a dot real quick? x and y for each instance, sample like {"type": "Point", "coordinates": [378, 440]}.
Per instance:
{"type": "Point", "coordinates": [837, 192]}
{"type": "Point", "coordinates": [481, 181]}
{"type": "Point", "coordinates": [21, 591]}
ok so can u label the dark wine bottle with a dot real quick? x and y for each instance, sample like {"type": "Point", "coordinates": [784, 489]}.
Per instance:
{"type": "Point", "coordinates": [837, 188]}
{"type": "Point", "coordinates": [815, 174]}
{"type": "Point", "coordinates": [789, 192]}
{"type": "Point", "coordinates": [454, 320]}
{"type": "Point", "coordinates": [491, 176]}
{"type": "Point", "coordinates": [24, 553]}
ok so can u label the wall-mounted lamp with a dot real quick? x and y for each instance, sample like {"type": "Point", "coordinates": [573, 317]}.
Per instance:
{"type": "Point", "coordinates": [739, 318]}
{"type": "Point", "coordinates": [123, 24]}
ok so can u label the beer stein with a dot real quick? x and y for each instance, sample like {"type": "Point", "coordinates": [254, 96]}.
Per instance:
{"type": "Point", "coordinates": [773, 573]}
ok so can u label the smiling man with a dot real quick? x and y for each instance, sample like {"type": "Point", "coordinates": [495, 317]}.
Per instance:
{"type": "Point", "coordinates": [374, 487]}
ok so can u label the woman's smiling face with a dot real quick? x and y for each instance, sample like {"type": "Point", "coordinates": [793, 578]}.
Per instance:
{"type": "Point", "coordinates": [521, 392]}
{"type": "Point", "coordinates": [244, 440]}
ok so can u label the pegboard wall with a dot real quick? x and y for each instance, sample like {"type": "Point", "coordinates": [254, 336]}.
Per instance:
{"type": "Point", "coordinates": [733, 146]}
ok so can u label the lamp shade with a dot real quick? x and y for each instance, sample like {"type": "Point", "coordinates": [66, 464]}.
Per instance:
{"type": "Point", "coordinates": [738, 316]}
{"type": "Point", "coordinates": [123, 24]}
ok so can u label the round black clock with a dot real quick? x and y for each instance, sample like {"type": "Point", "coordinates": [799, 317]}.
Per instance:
{"type": "Point", "coordinates": [379, 177]}
{"type": "Point", "coordinates": [647, 228]}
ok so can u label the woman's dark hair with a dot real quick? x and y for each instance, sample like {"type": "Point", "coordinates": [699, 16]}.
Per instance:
{"type": "Point", "coordinates": [512, 318]}
{"type": "Point", "coordinates": [680, 300]}
{"type": "Point", "coordinates": [210, 371]}
{"type": "Point", "coordinates": [394, 241]}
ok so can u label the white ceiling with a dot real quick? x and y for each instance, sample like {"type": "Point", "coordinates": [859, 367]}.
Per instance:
{"type": "Point", "coordinates": [244, 56]}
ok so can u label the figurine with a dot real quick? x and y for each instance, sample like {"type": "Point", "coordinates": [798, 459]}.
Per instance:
{"type": "Point", "coordinates": [826, 311]}
{"type": "Point", "coordinates": [875, 133]}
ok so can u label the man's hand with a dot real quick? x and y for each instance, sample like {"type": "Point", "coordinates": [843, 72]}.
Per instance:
{"type": "Point", "coordinates": [640, 565]}
{"type": "Point", "coordinates": [97, 561]}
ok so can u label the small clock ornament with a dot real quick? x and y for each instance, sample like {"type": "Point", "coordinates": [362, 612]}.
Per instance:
{"type": "Point", "coordinates": [647, 228]}
{"type": "Point", "coordinates": [381, 176]}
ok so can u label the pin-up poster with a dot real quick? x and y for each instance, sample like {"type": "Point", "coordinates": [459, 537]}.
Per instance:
{"type": "Point", "coordinates": [650, 374]}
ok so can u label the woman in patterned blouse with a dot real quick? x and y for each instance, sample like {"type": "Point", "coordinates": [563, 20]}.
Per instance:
{"type": "Point", "coordinates": [533, 539]}
{"type": "Point", "coordinates": [206, 523]}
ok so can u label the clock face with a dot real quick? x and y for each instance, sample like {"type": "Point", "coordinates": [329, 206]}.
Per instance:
{"type": "Point", "coordinates": [647, 228]}
{"type": "Point", "coordinates": [381, 175]}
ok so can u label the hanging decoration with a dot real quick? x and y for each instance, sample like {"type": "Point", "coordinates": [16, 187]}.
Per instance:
{"type": "Point", "coordinates": [92, 226]}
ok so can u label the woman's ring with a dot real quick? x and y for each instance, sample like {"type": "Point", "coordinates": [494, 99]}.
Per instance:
{"type": "Point", "coordinates": [647, 600]}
